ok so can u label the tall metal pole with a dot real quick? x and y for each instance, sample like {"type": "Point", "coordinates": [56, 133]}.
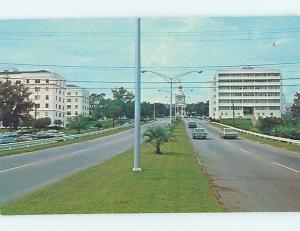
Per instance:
{"type": "Point", "coordinates": [171, 83]}
{"type": "Point", "coordinates": [137, 103]}
{"type": "Point", "coordinates": [154, 111]}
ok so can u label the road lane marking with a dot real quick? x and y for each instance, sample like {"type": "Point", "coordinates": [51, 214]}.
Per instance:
{"type": "Point", "coordinates": [291, 169]}
{"type": "Point", "coordinates": [243, 150]}
{"type": "Point", "coordinates": [21, 166]}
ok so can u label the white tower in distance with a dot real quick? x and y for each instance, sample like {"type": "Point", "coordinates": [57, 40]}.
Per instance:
{"type": "Point", "coordinates": [180, 105]}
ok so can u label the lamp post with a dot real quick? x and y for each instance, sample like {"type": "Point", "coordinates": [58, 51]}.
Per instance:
{"type": "Point", "coordinates": [233, 122]}
{"type": "Point", "coordinates": [171, 81]}
{"type": "Point", "coordinates": [137, 103]}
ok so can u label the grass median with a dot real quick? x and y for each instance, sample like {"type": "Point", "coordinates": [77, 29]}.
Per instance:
{"type": "Point", "coordinates": [171, 182]}
{"type": "Point", "coordinates": [273, 143]}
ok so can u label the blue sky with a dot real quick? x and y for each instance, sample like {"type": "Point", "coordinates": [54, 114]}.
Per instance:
{"type": "Point", "coordinates": [166, 42]}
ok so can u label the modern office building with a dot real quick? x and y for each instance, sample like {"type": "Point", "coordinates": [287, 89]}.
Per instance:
{"type": "Point", "coordinates": [246, 93]}
{"type": "Point", "coordinates": [77, 101]}
{"type": "Point", "coordinates": [47, 91]}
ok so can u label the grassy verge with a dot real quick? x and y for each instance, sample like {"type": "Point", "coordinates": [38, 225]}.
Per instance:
{"type": "Point", "coordinates": [274, 143]}
{"type": "Point", "coordinates": [245, 124]}
{"type": "Point", "coordinates": [171, 182]}
{"type": "Point", "coordinates": [57, 144]}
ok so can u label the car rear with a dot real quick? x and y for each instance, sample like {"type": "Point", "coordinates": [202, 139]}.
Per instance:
{"type": "Point", "coordinates": [229, 133]}
{"type": "Point", "coordinates": [192, 124]}
{"type": "Point", "coordinates": [199, 133]}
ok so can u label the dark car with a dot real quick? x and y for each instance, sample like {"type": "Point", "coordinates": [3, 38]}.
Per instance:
{"type": "Point", "coordinates": [192, 124]}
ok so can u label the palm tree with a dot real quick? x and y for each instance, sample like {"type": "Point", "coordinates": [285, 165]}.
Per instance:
{"type": "Point", "coordinates": [157, 136]}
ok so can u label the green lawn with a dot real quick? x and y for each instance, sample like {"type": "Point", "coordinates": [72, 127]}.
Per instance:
{"type": "Point", "coordinates": [245, 124]}
{"type": "Point", "coordinates": [172, 182]}
{"type": "Point", "coordinates": [274, 143]}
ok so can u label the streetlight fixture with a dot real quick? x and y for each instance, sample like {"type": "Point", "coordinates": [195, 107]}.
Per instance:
{"type": "Point", "coordinates": [171, 80]}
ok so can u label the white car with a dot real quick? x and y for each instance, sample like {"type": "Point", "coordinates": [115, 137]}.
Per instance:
{"type": "Point", "coordinates": [199, 133]}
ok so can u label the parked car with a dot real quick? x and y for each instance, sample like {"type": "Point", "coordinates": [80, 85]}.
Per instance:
{"type": "Point", "coordinates": [9, 134]}
{"type": "Point", "coordinates": [25, 137]}
{"type": "Point", "coordinates": [192, 124]}
{"type": "Point", "coordinates": [199, 133]}
{"type": "Point", "coordinates": [229, 133]}
{"type": "Point", "coordinates": [8, 140]}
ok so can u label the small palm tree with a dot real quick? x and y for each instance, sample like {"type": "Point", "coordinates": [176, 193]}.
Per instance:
{"type": "Point", "coordinates": [157, 136]}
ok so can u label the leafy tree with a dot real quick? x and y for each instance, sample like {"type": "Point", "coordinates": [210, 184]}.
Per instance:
{"type": "Point", "coordinates": [41, 123]}
{"type": "Point", "coordinates": [14, 103]}
{"type": "Point", "coordinates": [265, 125]}
{"type": "Point", "coordinates": [124, 100]}
{"type": "Point", "coordinates": [27, 121]}
{"type": "Point", "coordinates": [78, 122]}
{"type": "Point", "coordinates": [295, 109]}
{"type": "Point", "coordinates": [98, 104]}
{"type": "Point", "coordinates": [200, 108]}
{"type": "Point", "coordinates": [157, 136]}
{"type": "Point", "coordinates": [99, 125]}
{"type": "Point", "coordinates": [58, 122]}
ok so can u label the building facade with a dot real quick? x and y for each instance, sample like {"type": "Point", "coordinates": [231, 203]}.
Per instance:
{"type": "Point", "coordinates": [180, 105]}
{"type": "Point", "coordinates": [77, 101]}
{"type": "Point", "coordinates": [246, 93]}
{"type": "Point", "coordinates": [47, 92]}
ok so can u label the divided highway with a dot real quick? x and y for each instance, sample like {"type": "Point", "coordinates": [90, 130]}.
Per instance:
{"type": "Point", "coordinates": [250, 176]}
{"type": "Point", "coordinates": [23, 173]}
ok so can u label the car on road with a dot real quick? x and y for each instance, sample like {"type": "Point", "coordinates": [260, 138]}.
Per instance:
{"type": "Point", "coordinates": [25, 137]}
{"type": "Point", "coordinates": [192, 124]}
{"type": "Point", "coordinates": [229, 133]}
{"type": "Point", "coordinates": [7, 140]}
{"type": "Point", "coordinates": [199, 133]}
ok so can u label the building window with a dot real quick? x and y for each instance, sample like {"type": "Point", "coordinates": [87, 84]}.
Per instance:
{"type": "Point", "coordinates": [27, 80]}
{"type": "Point", "coordinates": [37, 105]}
{"type": "Point", "coordinates": [18, 82]}
{"type": "Point", "coordinates": [47, 105]}
{"type": "Point", "coordinates": [76, 106]}
{"type": "Point", "coordinates": [68, 93]}
{"type": "Point", "coordinates": [59, 107]}
{"type": "Point", "coordinates": [37, 89]}
{"type": "Point", "coordinates": [47, 88]}
{"type": "Point", "coordinates": [69, 100]}
{"type": "Point", "coordinates": [69, 106]}
{"type": "Point", "coordinates": [76, 93]}
{"type": "Point", "coordinates": [59, 99]}
{"type": "Point", "coordinates": [46, 114]}
{"type": "Point", "coordinates": [68, 113]}
{"type": "Point", "coordinates": [47, 97]}
{"type": "Point", "coordinates": [37, 81]}
{"type": "Point", "coordinates": [47, 80]}
{"type": "Point", "coordinates": [59, 114]}
{"type": "Point", "coordinates": [76, 112]}
{"type": "Point", "coordinates": [76, 100]}
{"type": "Point", "coordinates": [37, 97]}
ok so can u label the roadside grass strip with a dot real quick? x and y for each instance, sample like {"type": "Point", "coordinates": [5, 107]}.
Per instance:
{"type": "Point", "coordinates": [169, 183]}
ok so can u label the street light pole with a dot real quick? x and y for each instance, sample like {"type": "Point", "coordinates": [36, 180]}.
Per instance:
{"type": "Point", "coordinates": [171, 100]}
{"type": "Point", "coordinates": [154, 110]}
{"type": "Point", "coordinates": [137, 103]}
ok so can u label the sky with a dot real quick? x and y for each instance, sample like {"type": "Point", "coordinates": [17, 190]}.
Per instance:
{"type": "Point", "coordinates": [103, 50]}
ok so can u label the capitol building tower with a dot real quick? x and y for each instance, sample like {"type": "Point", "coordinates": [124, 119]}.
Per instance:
{"type": "Point", "coordinates": [180, 105]}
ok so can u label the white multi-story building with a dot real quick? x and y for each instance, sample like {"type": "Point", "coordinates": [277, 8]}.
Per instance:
{"type": "Point", "coordinates": [246, 93]}
{"type": "Point", "coordinates": [77, 101]}
{"type": "Point", "coordinates": [47, 92]}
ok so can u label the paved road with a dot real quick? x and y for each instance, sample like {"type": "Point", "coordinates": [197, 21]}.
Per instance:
{"type": "Point", "coordinates": [23, 173]}
{"type": "Point", "coordinates": [250, 176]}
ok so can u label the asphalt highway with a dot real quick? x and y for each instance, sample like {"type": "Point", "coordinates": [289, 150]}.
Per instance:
{"type": "Point", "coordinates": [250, 177]}
{"type": "Point", "coordinates": [23, 173]}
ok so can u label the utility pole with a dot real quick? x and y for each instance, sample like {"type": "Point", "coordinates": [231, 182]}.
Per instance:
{"type": "Point", "coordinates": [171, 84]}
{"type": "Point", "coordinates": [154, 111]}
{"type": "Point", "coordinates": [233, 122]}
{"type": "Point", "coordinates": [137, 103]}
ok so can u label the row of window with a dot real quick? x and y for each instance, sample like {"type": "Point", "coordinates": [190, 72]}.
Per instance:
{"type": "Point", "coordinates": [76, 100]}
{"type": "Point", "coordinates": [59, 107]}
{"type": "Point", "coordinates": [248, 74]}
{"type": "Point", "coordinates": [259, 108]}
{"type": "Point", "coordinates": [239, 114]}
{"type": "Point", "coordinates": [248, 87]}
{"type": "Point", "coordinates": [249, 94]}
{"type": "Point", "coordinates": [249, 101]}
{"type": "Point", "coordinates": [249, 80]}
{"type": "Point", "coordinates": [46, 114]}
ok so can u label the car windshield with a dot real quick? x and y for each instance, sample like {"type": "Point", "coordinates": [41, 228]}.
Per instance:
{"type": "Point", "coordinates": [229, 130]}
{"type": "Point", "coordinates": [199, 130]}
